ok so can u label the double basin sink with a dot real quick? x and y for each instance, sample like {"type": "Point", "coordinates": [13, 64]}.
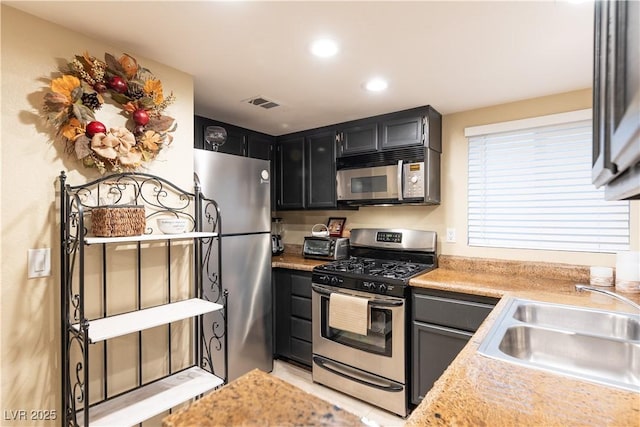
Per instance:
{"type": "Point", "coordinates": [593, 345]}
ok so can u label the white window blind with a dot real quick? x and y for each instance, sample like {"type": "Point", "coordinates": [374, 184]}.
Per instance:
{"type": "Point", "coordinates": [531, 188]}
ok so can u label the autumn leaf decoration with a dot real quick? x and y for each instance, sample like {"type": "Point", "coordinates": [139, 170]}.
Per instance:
{"type": "Point", "coordinates": [84, 86]}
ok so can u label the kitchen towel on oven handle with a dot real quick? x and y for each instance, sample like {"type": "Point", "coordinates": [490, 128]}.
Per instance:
{"type": "Point", "coordinates": [349, 313]}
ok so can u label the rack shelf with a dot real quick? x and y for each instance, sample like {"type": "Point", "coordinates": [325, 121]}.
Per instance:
{"type": "Point", "coordinates": [148, 238]}
{"type": "Point", "coordinates": [123, 324]}
{"type": "Point", "coordinates": [185, 284]}
{"type": "Point", "coordinates": [151, 399]}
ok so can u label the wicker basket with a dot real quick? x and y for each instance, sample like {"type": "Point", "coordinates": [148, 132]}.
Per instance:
{"type": "Point", "coordinates": [118, 221]}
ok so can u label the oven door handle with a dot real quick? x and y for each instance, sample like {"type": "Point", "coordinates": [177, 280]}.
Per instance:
{"type": "Point", "coordinates": [353, 376]}
{"type": "Point", "coordinates": [373, 302]}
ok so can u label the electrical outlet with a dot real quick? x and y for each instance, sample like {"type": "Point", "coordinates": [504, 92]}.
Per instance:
{"type": "Point", "coordinates": [451, 235]}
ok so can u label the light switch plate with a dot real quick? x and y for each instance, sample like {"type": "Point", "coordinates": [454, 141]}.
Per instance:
{"type": "Point", "coordinates": [39, 262]}
{"type": "Point", "coordinates": [451, 235]}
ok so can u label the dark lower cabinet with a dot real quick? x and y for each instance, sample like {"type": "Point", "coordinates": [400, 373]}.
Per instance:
{"type": "Point", "coordinates": [434, 349]}
{"type": "Point", "coordinates": [441, 325]}
{"type": "Point", "coordinates": [292, 308]}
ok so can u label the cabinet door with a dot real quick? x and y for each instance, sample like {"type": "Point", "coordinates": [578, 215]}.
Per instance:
{"type": "Point", "coordinates": [321, 171]}
{"type": "Point", "coordinates": [452, 311]}
{"type": "Point", "coordinates": [235, 143]}
{"type": "Point", "coordinates": [236, 137]}
{"type": "Point", "coordinates": [402, 132]}
{"type": "Point", "coordinates": [625, 83]}
{"type": "Point", "coordinates": [199, 123]}
{"type": "Point", "coordinates": [290, 174]}
{"type": "Point", "coordinates": [292, 290]}
{"type": "Point", "coordinates": [300, 326]}
{"type": "Point", "coordinates": [259, 146]}
{"type": "Point", "coordinates": [282, 312]}
{"type": "Point", "coordinates": [433, 349]}
{"type": "Point", "coordinates": [359, 139]}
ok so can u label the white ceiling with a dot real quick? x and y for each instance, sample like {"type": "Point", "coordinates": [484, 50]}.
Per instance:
{"type": "Point", "coordinates": [453, 55]}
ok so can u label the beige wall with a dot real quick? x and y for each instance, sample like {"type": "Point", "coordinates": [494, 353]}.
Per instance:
{"type": "Point", "coordinates": [32, 51]}
{"type": "Point", "coordinates": [452, 212]}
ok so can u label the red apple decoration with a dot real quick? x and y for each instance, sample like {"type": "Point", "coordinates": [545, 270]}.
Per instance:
{"type": "Point", "coordinates": [140, 116]}
{"type": "Point", "coordinates": [95, 127]}
{"type": "Point", "coordinates": [100, 87]}
{"type": "Point", "coordinates": [118, 84]}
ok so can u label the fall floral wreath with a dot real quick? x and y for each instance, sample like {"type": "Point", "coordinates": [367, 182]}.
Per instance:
{"type": "Point", "coordinates": [81, 91]}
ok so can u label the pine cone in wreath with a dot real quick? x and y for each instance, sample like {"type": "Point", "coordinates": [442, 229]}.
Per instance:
{"type": "Point", "coordinates": [91, 101]}
{"type": "Point", "coordinates": [135, 92]}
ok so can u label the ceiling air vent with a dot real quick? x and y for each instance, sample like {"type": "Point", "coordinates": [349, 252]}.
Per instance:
{"type": "Point", "coordinates": [263, 102]}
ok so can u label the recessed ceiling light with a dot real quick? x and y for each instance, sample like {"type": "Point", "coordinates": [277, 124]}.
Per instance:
{"type": "Point", "coordinates": [376, 84]}
{"type": "Point", "coordinates": [324, 48]}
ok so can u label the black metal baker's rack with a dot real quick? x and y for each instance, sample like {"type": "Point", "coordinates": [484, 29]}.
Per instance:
{"type": "Point", "coordinates": [206, 307]}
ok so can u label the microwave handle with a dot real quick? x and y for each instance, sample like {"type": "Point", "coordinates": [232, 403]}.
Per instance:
{"type": "Point", "coordinates": [400, 192]}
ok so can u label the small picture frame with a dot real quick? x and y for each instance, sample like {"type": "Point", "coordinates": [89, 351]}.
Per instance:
{"type": "Point", "coordinates": [335, 226]}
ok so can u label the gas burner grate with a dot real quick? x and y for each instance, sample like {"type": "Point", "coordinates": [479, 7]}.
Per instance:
{"type": "Point", "coordinates": [368, 267]}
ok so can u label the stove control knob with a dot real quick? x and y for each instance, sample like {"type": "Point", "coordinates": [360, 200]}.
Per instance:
{"type": "Point", "coordinates": [367, 285]}
{"type": "Point", "coordinates": [334, 280]}
{"type": "Point", "coordinates": [382, 288]}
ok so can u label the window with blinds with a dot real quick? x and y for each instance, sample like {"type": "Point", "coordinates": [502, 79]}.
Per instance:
{"type": "Point", "coordinates": [530, 187]}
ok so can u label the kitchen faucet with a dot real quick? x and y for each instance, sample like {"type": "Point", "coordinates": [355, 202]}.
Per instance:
{"type": "Point", "coordinates": [581, 288]}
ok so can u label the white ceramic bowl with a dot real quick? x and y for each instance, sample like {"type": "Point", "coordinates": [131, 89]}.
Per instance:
{"type": "Point", "coordinates": [172, 225]}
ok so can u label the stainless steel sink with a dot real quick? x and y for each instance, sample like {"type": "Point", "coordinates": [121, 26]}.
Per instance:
{"type": "Point", "coordinates": [589, 344]}
{"type": "Point", "coordinates": [576, 319]}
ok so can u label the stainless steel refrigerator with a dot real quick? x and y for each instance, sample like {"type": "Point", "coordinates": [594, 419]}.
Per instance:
{"type": "Point", "coordinates": [241, 187]}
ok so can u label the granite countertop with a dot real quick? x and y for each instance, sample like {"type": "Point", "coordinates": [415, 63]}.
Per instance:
{"type": "Point", "coordinates": [295, 261]}
{"type": "Point", "coordinates": [477, 390]}
{"type": "Point", "coordinates": [260, 399]}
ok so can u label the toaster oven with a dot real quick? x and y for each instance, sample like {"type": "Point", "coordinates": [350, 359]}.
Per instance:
{"type": "Point", "coordinates": [327, 248]}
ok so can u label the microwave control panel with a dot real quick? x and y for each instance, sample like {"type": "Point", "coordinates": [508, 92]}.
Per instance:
{"type": "Point", "coordinates": [413, 176]}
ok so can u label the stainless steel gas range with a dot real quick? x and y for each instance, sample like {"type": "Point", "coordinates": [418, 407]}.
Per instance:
{"type": "Point", "coordinates": [359, 315]}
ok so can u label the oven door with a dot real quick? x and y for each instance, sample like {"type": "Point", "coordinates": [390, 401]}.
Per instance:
{"type": "Point", "coordinates": [381, 351]}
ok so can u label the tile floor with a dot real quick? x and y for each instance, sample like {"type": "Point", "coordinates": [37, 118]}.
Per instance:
{"type": "Point", "coordinates": [301, 378]}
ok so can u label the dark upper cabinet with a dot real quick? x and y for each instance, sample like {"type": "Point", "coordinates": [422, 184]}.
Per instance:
{"type": "Point", "coordinates": [290, 172]}
{"type": "Point", "coordinates": [235, 143]}
{"type": "Point", "coordinates": [306, 170]}
{"type": "Point", "coordinates": [360, 138]}
{"type": "Point", "coordinates": [240, 141]}
{"type": "Point", "coordinates": [616, 99]}
{"type": "Point", "coordinates": [321, 170]}
{"type": "Point", "coordinates": [259, 146]}
{"type": "Point", "coordinates": [402, 132]}
{"type": "Point", "coordinates": [408, 128]}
